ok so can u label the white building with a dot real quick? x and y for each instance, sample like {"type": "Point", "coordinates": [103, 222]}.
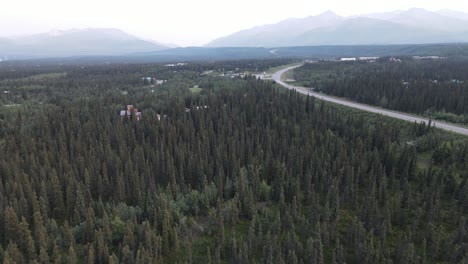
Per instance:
{"type": "Point", "coordinates": [348, 59]}
{"type": "Point", "coordinates": [368, 58]}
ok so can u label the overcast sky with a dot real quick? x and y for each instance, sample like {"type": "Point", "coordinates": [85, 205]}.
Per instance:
{"type": "Point", "coordinates": [184, 22]}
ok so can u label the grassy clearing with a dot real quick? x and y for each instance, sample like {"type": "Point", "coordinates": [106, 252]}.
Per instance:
{"type": "Point", "coordinates": [424, 160]}
{"type": "Point", "coordinates": [288, 75]}
{"type": "Point", "coordinates": [275, 69]}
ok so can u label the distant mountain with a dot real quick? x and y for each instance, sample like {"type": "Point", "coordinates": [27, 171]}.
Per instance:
{"type": "Point", "coordinates": [418, 17]}
{"type": "Point", "coordinates": [83, 42]}
{"type": "Point", "coordinates": [413, 26]}
{"type": "Point", "coordinates": [358, 31]}
{"type": "Point", "coordinates": [382, 16]}
{"type": "Point", "coordinates": [453, 14]}
{"type": "Point", "coordinates": [276, 34]}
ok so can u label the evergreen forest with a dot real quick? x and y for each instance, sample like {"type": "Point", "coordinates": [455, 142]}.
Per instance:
{"type": "Point", "coordinates": [436, 88]}
{"type": "Point", "coordinates": [227, 168]}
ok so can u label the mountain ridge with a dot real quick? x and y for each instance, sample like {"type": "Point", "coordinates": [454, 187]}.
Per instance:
{"type": "Point", "coordinates": [75, 42]}
{"type": "Point", "coordinates": [413, 26]}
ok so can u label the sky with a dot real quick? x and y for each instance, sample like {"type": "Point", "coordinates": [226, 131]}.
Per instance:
{"type": "Point", "coordinates": [184, 22]}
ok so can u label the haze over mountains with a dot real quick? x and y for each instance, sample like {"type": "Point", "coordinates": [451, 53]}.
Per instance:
{"type": "Point", "coordinates": [414, 26]}
{"type": "Point", "coordinates": [82, 42]}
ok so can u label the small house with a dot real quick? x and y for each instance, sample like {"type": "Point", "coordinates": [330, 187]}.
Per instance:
{"type": "Point", "coordinates": [128, 113]}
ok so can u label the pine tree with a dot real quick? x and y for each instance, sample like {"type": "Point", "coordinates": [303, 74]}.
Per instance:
{"type": "Point", "coordinates": [71, 257]}
{"type": "Point", "coordinates": [13, 254]}
{"type": "Point", "coordinates": [68, 238]}
{"type": "Point", "coordinates": [129, 238]}
{"type": "Point", "coordinates": [101, 246]}
{"type": "Point", "coordinates": [58, 203]}
{"type": "Point", "coordinates": [90, 257]}
{"type": "Point", "coordinates": [113, 259]}
{"type": "Point", "coordinates": [12, 229]}
{"type": "Point", "coordinates": [25, 240]}
{"type": "Point", "coordinates": [40, 235]}
{"type": "Point", "coordinates": [89, 227]}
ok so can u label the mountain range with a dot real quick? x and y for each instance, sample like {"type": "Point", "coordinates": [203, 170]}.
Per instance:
{"type": "Point", "coordinates": [76, 42]}
{"type": "Point", "coordinates": [413, 26]}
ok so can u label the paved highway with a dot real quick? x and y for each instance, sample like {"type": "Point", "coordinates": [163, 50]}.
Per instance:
{"type": "Point", "coordinates": [407, 117]}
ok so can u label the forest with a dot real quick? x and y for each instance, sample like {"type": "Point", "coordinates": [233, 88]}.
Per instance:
{"type": "Point", "coordinates": [237, 170]}
{"type": "Point", "coordinates": [436, 88]}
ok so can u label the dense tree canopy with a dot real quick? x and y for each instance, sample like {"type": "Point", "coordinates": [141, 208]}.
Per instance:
{"type": "Point", "coordinates": [259, 175]}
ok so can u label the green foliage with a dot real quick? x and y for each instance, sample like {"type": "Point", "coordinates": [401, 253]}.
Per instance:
{"type": "Point", "coordinates": [263, 175]}
{"type": "Point", "coordinates": [435, 88]}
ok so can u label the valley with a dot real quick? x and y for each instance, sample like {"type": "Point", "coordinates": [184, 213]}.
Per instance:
{"type": "Point", "coordinates": [264, 133]}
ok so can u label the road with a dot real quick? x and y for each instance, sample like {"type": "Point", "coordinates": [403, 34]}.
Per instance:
{"type": "Point", "coordinates": [403, 116]}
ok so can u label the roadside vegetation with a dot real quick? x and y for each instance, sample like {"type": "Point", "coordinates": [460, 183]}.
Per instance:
{"type": "Point", "coordinates": [432, 88]}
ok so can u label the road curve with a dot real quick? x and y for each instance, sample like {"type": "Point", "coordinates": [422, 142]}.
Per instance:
{"type": "Point", "coordinates": [403, 116]}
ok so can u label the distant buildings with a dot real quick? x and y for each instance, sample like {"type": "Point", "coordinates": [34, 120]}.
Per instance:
{"type": "Point", "coordinates": [368, 58]}
{"type": "Point", "coordinates": [151, 80]}
{"type": "Point", "coordinates": [231, 74]}
{"type": "Point", "coordinates": [198, 107]}
{"type": "Point", "coordinates": [329, 60]}
{"type": "Point", "coordinates": [348, 59]}
{"type": "Point", "coordinates": [456, 81]}
{"type": "Point", "coordinates": [393, 59]}
{"type": "Point", "coordinates": [207, 72]}
{"type": "Point", "coordinates": [428, 58]}
{"type": "Point", "coordinates": [158, 116]}
{"type": "Point", "coordinates": [176, 64]}
{"type": "Point", "coordinates": [263, 76]}
{"type": "Point", "coordinates": [130, 113]}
